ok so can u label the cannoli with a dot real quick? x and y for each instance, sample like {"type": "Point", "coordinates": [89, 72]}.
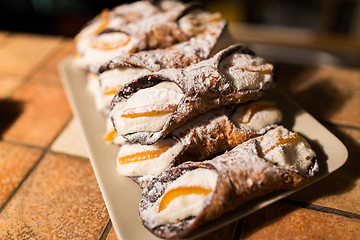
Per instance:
{"type": "Point", "coordinates": [119, 16]}
{"type": "Point", "coordinates": [121, 70]}
{"type": "Point", "coordinates": [153, 105]}
{"type": "Point", "coordinates": [180, 199]}
{"type": "Point", "coordinates": [202, 137]}
{"type": "Point", "coordinates": [159, 30]}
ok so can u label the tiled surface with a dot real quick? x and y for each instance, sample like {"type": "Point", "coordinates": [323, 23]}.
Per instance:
{"type": "Point", "coordinates": [21, 53]}
{"type": "Point", "coordinates": [44, 112]}
{"type": "Point", "coordinates": [48, 189]}
{"type": "Point", "coordinates": [49, 72]}
{"type": "Point", "coordinates": [47, 204]}
{"type": "Point", "coordinates": [312, 87]}
{"type": "Point", "coordinates": [15, 162]}
{"type": "Point", "coordinates": [70, 141]}
{"type": "Point", "coordinates": [9, 84]}
{"type": "Point", "coordinates": [281, 221]}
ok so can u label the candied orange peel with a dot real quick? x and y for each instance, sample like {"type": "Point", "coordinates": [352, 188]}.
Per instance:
{"type": "Point", "coordinates": [111, 90]}
{"type": "Point", "coordinates": [181, 191]}
{"type": "Point", "coordinates": [262, 69]}
{"type": "Point", "coordinates": [142, 156]}
{"type": "Point", "coordinates": [146, 111]}
{"type": "Point", "coordinates": [104, 22]}
{"type": "Point", "coordinates": [110, 136]}
{"type": "Point", "coordinates": [281, 141]}
{"type": "Point", "coordinates": [108, 46]}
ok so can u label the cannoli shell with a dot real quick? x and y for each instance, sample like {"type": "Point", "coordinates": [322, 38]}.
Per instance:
{"type": "Point", "coordinates": [179, 55]}
{"type": "Point", "coordinates": [206, 136]}
{"type": "Point", "coordinates": [160, 30]}
{"type": "Point", "coordinates": [204, 88]}
{"type": "Point", "coordinates": [243, 175]}
{"type": "Point", "coordinates": [210, 134]}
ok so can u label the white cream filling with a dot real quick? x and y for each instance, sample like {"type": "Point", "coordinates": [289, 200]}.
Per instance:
{"type": "Point", "coordinates": [259, 120]}
{"type": "Point", "coordinates": [167, 5]}
{"type": "Point", "coordinates": [117, 139]}
{"type": "Point", "coordinates": [151, 166]}
{"type": "Point", "coordinates": [160, 94]}
{"type": "Point", "coordinates": [186, 205]}
{"type": "Point", "coordinates": [232, 67]}
{"type": "Point", "coordinates": [83, 39]}
{"type": "Point", "coordinates": [295, 155]}
{"type": "Point", "coordinates": [92, 84]}
{"type": "Point", "coordinates": [98, 55]}
{"type": "Point", "coordinates": [113, 79]}
{"type": "Point", "coordinates": [93, 87]}
{"type": "Point", "coordinates": [196, 21]}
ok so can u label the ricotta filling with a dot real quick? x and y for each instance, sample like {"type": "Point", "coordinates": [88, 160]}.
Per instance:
{"type": "Point", "coordinates": [111, 135]}
{"type": "Point", "coordinates": [255, 118]}
{"type": "Point", "coordinates": [112, 80]}
{"type": "Point", "coordinates": [183, 205]}
{"type": "Point", "coordinates": [83, 38]}
{"type": "Point", "coordinates": [287, 149]}
{"type": "Point", "coordinates": [148, 99]}
{"type": "Point", "coordinates": [140, 160]}
{"type": "Point", "coordinates": [246, 72]}
{"type": "Point", "coordinates": [197, 21]}
{"type": "Point", "coordinates": [93, 86]}
{"type": "Point", "coordinates": [106, 46]}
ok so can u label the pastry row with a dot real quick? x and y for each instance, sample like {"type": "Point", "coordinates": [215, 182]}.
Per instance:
{"type": "Point", "coordinates": [183, 105]}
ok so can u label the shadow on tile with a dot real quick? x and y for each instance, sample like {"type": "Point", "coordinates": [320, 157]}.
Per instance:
{"type": "Point", "coordinates": [10, 110]}
{"type": "Point", "coordinates": [317, 95]}
{"type": "Point", "coordinates": [263, 218]}
{"type": "Point", "coordinates": [344, 180]}
{"type": "Point", "coordinates": [322, 99]}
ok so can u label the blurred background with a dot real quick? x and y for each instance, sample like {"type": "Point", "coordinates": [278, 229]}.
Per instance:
{"type": "Point", "coordinates": [65, 17]}
{"type": "Point", "coordinates": [337, 20]}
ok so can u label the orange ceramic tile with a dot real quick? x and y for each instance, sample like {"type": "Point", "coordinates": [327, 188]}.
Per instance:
{"type": "Point", "coordinates": [60, 200]}
{"type": "Point", "coordinates": [330, 94]}
{"type": "Point", "coordinates": [15, 163]}
{"type": "Point", "coordinates": [49, 70]}
{"type": "Point", "coordinates": [341, 189]}
{"type": "Point", "coordinates": [21, 53]}
{"type": "Point", "coordinates": [45, 111]}
{"type": "Point", "coordinates": [9, 83]}
{"type": "Point", "coordinates": [226, 232]}
{"type": "Point", "coordinates": [281, 221]}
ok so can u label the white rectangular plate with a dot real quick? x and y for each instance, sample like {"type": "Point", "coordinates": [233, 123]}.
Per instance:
{"type": "Point", "coordinates": [122, 195]}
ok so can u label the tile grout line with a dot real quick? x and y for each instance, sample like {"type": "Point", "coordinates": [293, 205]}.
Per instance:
{"type": "Point", "coordinates": [45, 59]}
{"type": "Point", "coordinates": [28, 76]}
{"type": "Point", "coordinates": [45, 149]}
{"type": "Point", "coordinates": [319, 208]}
{"type": "Point", "coordinates": [44, 152]}
{"type": "Point", "coordinates": [22, 181]}
{"type": "Point", "coordinates": [67, 122]}
{"type": "Point", "coordinates": [106, 231]}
